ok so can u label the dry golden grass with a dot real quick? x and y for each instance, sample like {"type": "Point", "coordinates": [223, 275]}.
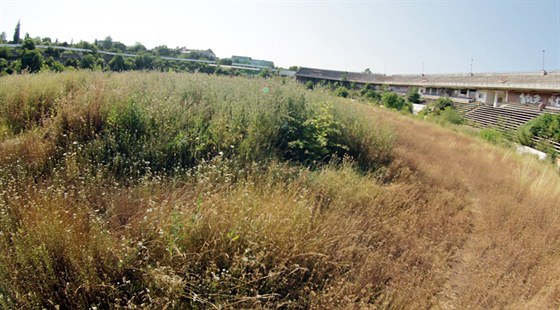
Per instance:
{"type": "Point", "coordinates": [510, 256]}
{"type": "Point", "coordinates": [446, 221]}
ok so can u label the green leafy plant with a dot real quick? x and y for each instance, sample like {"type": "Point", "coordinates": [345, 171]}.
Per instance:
{"type": "Point", "coordinates": [394, 101]}
{"type": "Point", "coordinates": [413, 95]}
{"type": "Point", "coordinates": [342, 91]}
{"type": "Point", "coordinates": [450, 115]}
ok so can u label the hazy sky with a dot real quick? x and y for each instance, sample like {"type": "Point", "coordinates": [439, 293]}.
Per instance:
{"type": "Point", "coordinates": [391, 36]}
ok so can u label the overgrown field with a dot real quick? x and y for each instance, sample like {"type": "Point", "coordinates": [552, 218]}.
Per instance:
{"type": "Point", "coordinates": [162, 190]}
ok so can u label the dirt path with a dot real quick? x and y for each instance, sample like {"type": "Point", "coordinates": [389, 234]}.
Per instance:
{"type": "Point", "coordinates": [510, 222]}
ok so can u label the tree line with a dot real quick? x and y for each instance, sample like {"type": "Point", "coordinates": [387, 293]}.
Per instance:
{"type": "Point", "coordinates": [28, 58]}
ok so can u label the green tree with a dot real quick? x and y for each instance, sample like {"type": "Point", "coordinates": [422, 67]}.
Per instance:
{"type": "Point", "coordinates": [413, 95]}
{"type": "Point", "coordinates": [31, 60]}
{"type": "Point", "coordinates": [4, 52]}
{"type": "Point", "coordinates": [119, 47]}
{"type": "Point", "coordinates": [54, 65]}
{"type": "Point", "coordinates": [162, 50]}
{"type": "Point", "coordinates": [88, 62]}
{"type": "Point", "coordinates": [144, 62]}
{"type": "Point", "coordinates": [28, 44]}
{"type": "Point", "coordinates": [117, 63]}
{"type": "Point", "coordinates": [225, 62]}
{"type": "Point", "coordinates": [368, 71]}
{"type": "Point", "coordinates": [86, 45]}
{"type": "Point", "coordinates": [72, 62]}
{"type": "Point", "coordinates": [137, 48]}
{"type": "Point", "coordinates": [17, 39]}
{"type": "Point", "coordinates": [107, 44]}
{"type": "Point", "coordinates": [49, 51]}
{"type": "Point", "coordinates": [3, 37]}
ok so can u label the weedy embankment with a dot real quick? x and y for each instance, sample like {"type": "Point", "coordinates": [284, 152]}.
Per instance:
{"type": "Point", "coordinates": [178, 190]}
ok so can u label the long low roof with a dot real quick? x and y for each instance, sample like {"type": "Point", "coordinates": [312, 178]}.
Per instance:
{"type": "Point", "coordinates": [522, 80]}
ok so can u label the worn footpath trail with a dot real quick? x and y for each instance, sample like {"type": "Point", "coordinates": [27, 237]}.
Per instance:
{"type": "Point", "coordinates": [508, 254]}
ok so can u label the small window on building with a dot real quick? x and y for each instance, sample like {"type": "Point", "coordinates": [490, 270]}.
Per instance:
{"type": "Point", "coordinates": [480, 96]}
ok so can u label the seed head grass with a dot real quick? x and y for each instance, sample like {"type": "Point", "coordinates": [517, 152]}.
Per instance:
{"type": "Point", "coordinates": [164, 190]}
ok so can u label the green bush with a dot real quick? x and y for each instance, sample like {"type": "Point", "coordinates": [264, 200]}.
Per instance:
{"type": "Point", "coordinates": [368, 92]}
{"type": "Point", "coordinates": [31, 60]}
{"type": "Point", "coordinates": [442, 103]}
{"type": "Point", "coordinates": [547, 147]}
{"type": "Point", "coordinates": [309, 85]}
{"type": "Point", "coordinates": [310, 137]}
{"type": "Point", "coordinates": [524, 136]}
{"type": "Point", "coordinates": [3, 64]}
{"type": "Point", "coordinates": [342, 91]}
{"type": "Point", "coordinates": [88, 62]}
{"type": "Point", "coordinates": [117, 63]}
{"type": "Point", "coordinates": [450, 115]}
{"type": "Point", "coordinates": [394, 101]}
{"type": "Point", "coordinates": [494, 136]}
{"type": "Point", "coordinates": [443, 106]}
{"type": "Point", "coordinates": [413, 95]}
{"type": "Point", "coordinates": [546, 126]}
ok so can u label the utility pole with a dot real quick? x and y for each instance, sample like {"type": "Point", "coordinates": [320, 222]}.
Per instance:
{"type": "Point", "coordinates": [544, 72]}
{"type": "Point", "coordinates": [471, 66]}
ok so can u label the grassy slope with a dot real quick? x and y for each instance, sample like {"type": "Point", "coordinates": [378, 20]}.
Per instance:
{"type": "Point", "coordinates": [510, 255]}
{"type": "Point", "coordinates": [451, 222]}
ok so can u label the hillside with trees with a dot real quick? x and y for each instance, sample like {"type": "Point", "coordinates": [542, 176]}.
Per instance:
{"type": "Point", "coordinates": [29, 58]}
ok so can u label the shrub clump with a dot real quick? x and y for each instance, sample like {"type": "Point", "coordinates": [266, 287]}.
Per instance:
{"type": "Point", "coordinates": [413, 96]}
{"type": "Point", "coordinates": [494, 136]}
{"type": "Point", "coordinates": [545, 128]}
{"type": "Point", "coordinates": [443, 111]}
{"type": "Point", "coordinates": [342, 91]}
{"type": "Point", "coordinates": [368, 92]}
{"type": "Point", "coordinates": [394, 101]}
{"type": "Point", "coordinates": [451, 116]}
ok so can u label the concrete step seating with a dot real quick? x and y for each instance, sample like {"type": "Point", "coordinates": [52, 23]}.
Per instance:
{"type": "Point", "coordinates": [506, 119]}
{"type": "Point", "coordinates": [464, 108]}
{"type": "Point", "coordinates": [521, 107]}
{"type": "Point", "coordinates": [531, 107]}
{"type": "Point", "coordinates": [555, 144]}
{"type": "Point", "coordinates": [502, 118]}
{"type": "Point", "coordinates": [552, 110]}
